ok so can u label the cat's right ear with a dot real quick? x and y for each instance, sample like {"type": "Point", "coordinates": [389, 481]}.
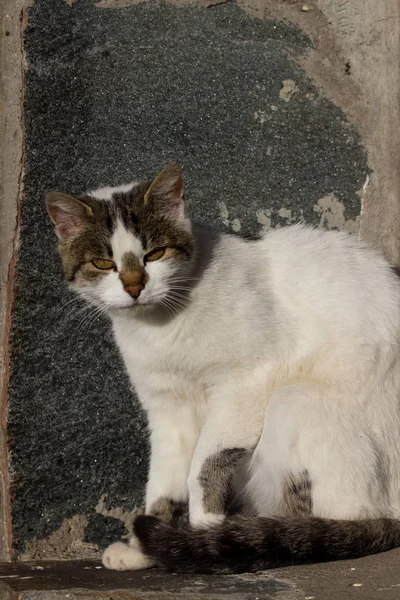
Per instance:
{"type": "Point", "coordinates": [166, 193]}
{"type": "Point", "coordinates": [68, 214]}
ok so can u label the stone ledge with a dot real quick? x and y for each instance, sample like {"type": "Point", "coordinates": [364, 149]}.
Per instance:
{"type": "Point", "coordinates": [371, 578]}
{"type": "Point", "coordinates": [81, 580]}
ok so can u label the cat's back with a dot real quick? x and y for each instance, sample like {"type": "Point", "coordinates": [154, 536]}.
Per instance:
{"type": "Point", "coordinates": [333, 275]}
{"type": "Point", "coordinates": [316, 258]}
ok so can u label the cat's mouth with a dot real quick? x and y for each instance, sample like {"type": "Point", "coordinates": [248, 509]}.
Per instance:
{"type": "Point", "coordinates": [159, 303]}
{"type": "Point", "coordinates": [156, 303]}
{"type": "Point", "coordinates": [138, 306]}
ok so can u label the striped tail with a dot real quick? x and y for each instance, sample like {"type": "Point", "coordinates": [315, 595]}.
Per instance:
{"type": "Point", "coordinates": [245, 544]}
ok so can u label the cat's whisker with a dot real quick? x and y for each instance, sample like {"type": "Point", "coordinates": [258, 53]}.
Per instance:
{"type": "Point", "coordinates": [176, 305]}
{"type": "Point", "coordinates": [175, 309]}
{"type": "Point", "coordinates": [75, 314]}
{"type": "Point", "coordinates": [176, 291]}
{"type": "Point", "coordinates": [96, 316]}
{"type": "Point", "coordinates": [167, 306]}
{"type": "Point", "coordinates": [181, 287]}
{"type": "Point", "coordinates": [74, 300]}
{"type": "Point", "coordinates": [90, 319]}
{"type": "Point", "coordinates": [177, 277]}
{"type": "Point", "coordinates": [72, 310]}
{"type": "Point", "coordinates": [94, 313]}
{"type": "Point", "coordinates": [98, 312]}
{"type": "Point", "coordinates": [179, 299]}
{"type": "Point", "coordinates": [184, 279]}
{"type": "Point", "coordinates": [171, 311]}
{"type": "Point", "coordinates": [175, 302]}
{"type": "Point", "coordinates": [178, 296]}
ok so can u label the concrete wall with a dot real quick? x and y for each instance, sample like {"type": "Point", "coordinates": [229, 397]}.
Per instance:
{"type": "Point", "coordinates": [11, 153]}
{"type": "Point", "coordinates": [279, 111]}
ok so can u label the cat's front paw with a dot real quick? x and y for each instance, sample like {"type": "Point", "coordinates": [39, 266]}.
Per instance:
{"type": "Point", "coordinates": [125, 557]}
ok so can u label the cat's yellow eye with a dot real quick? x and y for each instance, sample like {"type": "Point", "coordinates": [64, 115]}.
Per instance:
{"type": "Point", "coordinates": [104, 264]}
{"type": "Point", "coordinates": [155, 254]}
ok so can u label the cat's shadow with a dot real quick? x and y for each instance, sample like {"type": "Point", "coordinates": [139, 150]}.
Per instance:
{"type": "Point", "coordinates": [206, 241]}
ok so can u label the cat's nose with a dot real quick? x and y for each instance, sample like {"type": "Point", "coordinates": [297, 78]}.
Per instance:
{"type": "Point", "coordinates": [134, 290]}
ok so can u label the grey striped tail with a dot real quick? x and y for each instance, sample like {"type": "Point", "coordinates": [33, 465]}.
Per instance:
{"type": "Point", "coordinates": [245, 544]}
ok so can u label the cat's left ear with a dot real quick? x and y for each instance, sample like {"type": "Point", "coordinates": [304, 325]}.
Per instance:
{"type": "Point", "coordinates": [166, 192]}
{"type": "Point", "coordinates": [68, 214]}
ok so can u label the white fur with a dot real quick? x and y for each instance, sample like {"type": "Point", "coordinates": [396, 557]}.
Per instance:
{"type": "Point", "coordinates": [126, 557]}
{"type": "Point", "coordinates": [107, 193]}
{"type": "Point", "coordinates": [290, 344]}
{"type": "Point", "coordinates": [123, 241]}
{"type": "Point", "coordinates": [111, 291]}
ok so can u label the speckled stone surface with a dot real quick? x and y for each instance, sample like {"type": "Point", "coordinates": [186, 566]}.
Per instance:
{"type": "Point", "coordinates": [112, 95]}
{"type": "Point", "coordinates": [369, 578]}
{"type": "Point", "coordinates": [81, 580]}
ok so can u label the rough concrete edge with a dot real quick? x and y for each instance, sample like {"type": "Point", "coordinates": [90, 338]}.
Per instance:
{"type": "Point", "coordinates": [368, 35]}
{"type": "Point", "coordinates": [123, 594]}
{"type": "Point", "coordinates": [11, 161]}
{"type": "Point", "coordinates": [189, 592]}
{"type": "Point", "coordinates": [372, 33]}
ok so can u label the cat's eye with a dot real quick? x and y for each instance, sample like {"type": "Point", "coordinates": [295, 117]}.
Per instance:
{"type": "Point", "coordinates": [104, 264]}
{"type": "Point", "coordinates": [155, 254]}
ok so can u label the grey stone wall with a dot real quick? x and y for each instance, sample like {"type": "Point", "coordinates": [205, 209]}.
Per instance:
{"type": "Point", "coordinates": [264, 111]}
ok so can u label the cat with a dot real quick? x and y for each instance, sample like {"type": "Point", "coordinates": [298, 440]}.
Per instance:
{"type": "Point", "coordinates": [269, 370]}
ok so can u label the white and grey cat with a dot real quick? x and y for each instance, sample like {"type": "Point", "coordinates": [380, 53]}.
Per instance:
{"type": "Point", "coordinates": [269, 370]}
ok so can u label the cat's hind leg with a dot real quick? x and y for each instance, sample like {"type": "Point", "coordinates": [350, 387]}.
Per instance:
{"type": "Point", "coordinates": [318, 455]}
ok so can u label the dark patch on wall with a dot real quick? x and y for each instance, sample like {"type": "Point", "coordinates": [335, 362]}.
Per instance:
{"type": "Point", "coordinates": [103, 530]}
{"type": "Point", "coordinates": [112, 96]}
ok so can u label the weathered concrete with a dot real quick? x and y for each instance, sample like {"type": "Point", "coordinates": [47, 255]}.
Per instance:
{"type": "Point", "coordinates": [355, 63]}
{"type": "Point", "coordinates": [11, 154]}
{"type": "Point", "coordinates": [369, 36]}
{"type": "Point", "coordinates": [371, 578]}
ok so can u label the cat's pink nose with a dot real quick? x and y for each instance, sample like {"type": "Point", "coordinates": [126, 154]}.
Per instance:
{"type": "Point", "coordinates": [134, 290]}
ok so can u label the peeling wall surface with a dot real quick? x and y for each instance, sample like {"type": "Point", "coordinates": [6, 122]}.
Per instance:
{"type": "Point", "coordinates": [111, 96]}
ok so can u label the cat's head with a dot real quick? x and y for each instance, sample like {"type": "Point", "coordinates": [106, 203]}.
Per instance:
{"type": "Point", "coordinates": [128, 247]}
